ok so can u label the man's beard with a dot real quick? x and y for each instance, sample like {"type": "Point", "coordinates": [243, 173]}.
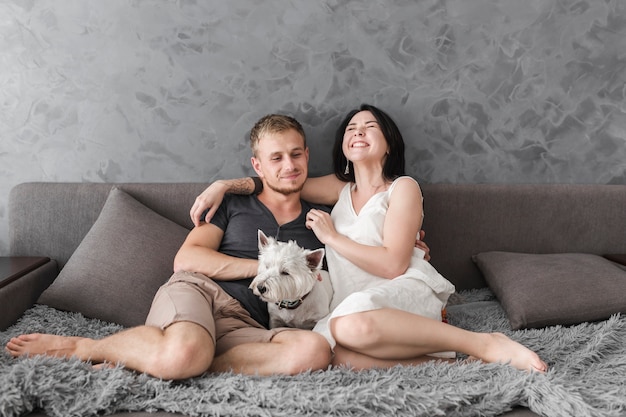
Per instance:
{"type": "Point", "coordinates": [284, 190]}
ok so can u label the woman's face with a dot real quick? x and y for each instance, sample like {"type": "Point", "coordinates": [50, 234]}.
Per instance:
{"type": "Point", "coordinates": [363, 139]}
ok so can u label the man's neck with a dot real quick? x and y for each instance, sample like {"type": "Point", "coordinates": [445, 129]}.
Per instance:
{"type": "Point", "coordinates": [285, 208]}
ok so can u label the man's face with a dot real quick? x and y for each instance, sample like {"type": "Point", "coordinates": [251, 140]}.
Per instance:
{"type": "Point", "coordinates": [282, 160]}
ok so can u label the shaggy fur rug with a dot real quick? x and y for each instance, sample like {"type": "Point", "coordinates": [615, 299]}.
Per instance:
{"type": "Point", "coordinates": [586, 378]}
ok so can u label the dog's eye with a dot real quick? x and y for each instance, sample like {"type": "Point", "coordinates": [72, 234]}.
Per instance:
{"type": "Point", "coordinates": [284, 273]}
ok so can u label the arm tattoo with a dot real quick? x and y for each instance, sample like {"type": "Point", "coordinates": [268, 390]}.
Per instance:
{"type": "Point", "coordinates": [243, 186]}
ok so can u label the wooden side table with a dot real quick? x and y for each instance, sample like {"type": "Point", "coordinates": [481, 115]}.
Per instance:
{"type": "Point", "coordinates": [13, 267]}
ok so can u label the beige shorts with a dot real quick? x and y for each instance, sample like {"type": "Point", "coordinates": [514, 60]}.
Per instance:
{"type": "Point", "coordinates": [193, 297]}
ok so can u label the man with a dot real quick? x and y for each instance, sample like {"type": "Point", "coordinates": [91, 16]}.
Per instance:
{"type": "Point", "coordinates": [195, 324]}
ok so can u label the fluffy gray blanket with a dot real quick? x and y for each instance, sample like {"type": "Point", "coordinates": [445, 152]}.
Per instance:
{"type": "Point", "coordinates": [587, 377]}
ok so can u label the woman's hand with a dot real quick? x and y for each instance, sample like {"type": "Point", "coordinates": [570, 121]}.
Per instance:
{"type": "Point", "coordinates": [322, 225]}
{"type": "Point", "coordinates": [210, 198]}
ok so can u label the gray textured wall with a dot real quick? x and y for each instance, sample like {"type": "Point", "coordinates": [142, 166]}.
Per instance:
{"type": "Point", "coordinates": [483, 90]}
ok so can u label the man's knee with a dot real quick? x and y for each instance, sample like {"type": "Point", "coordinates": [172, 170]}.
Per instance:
{"type": "Point", "coordinates": [304, 351]}
{"type": "Point", "coordinates": [180, 357]}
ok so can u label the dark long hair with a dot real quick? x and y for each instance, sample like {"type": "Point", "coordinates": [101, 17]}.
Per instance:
{"type": "Point", "coordinates": [394, 163]}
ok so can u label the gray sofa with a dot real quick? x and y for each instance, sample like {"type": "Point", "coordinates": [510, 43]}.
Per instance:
{"type": "Point", "coordinates": [461, 221]}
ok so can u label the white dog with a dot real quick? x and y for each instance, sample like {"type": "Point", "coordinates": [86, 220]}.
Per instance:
{"type": "Point", "coordinates": [291, 281]}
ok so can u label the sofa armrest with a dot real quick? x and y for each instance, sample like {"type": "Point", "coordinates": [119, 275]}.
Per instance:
{"type": "Point", "coordinates": [22, 292]}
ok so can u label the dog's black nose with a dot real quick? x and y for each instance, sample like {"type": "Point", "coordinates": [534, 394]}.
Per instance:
{"type": "Point", "coordinates": [261, 289]}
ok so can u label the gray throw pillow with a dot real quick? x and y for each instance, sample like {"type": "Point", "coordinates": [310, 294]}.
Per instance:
{"type": "Point", "coordinates": [125, 257]}
{"type": "Point", "coordinates": [538, 290]}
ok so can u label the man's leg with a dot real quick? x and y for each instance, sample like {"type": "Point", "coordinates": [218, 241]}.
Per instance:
{"type": "Point", "coordinates": [180, 351]}
{"type": "Point", "coordinates": [288, 352]}
{"type": "Point", "coordinates": [176, 342]}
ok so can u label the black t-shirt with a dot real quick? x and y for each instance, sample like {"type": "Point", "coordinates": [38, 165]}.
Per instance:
{"type": "Point", "coordinates": [240, 217]}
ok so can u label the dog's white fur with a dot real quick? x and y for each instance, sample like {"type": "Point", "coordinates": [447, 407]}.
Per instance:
{"type": "Point", "coordinates": [290, 273]}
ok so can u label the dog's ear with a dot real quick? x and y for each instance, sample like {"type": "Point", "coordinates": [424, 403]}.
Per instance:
{"type": "Point", "coordinates": [314, 258]}
{"type": "Point", "coordinates": [263, 240]}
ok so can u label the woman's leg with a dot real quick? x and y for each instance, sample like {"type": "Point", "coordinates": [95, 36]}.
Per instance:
{"type": "Point", "coordinates": [390, 334]}
{"type": "Point", "coordinates": [359, 361]}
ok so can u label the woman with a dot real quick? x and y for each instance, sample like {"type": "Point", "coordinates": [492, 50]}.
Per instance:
{"type": "Point", "coordinates": [388, 299]}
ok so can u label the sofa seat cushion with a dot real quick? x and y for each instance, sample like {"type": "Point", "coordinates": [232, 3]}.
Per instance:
{"type": "Point", "coordinates": [119, 265]}
{"type": "Point", "coordinates": [538, 290]}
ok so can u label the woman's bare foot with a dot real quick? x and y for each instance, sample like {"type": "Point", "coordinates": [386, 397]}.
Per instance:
{"type": "Point", "coordinates": [103, 365]}
{"type": "Point", "coordinates": [501, 349]}
{"type": "Point", "coordinates": [469, 359]}
{"type": "Point", "coordinates": [42, 344]}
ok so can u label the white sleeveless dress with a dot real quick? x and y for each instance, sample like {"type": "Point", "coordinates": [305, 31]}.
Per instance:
{"type": "Point", "coordinates": [420, 290]}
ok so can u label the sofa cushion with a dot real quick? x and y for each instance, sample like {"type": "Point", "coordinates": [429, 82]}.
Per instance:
{"type": "Point", "coordinates": [119, 265]}
{"type": "Point", "coordinates": [538, 290]}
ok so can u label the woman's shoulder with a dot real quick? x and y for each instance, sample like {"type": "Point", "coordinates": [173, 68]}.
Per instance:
{"type": "Point", "coordinates": [405, 190]}
{"type": "Point", "coordinates": [404, 182]}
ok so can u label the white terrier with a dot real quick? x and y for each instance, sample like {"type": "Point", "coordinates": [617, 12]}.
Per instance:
{"type": "Point", "coordinates": [291, 281]}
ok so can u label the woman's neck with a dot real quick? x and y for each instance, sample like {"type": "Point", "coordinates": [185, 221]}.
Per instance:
{"type": "Point", "coordinates": [370, 181]}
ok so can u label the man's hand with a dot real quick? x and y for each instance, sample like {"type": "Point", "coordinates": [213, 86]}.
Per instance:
{"type": "Point", "coordinates": [420, 244]}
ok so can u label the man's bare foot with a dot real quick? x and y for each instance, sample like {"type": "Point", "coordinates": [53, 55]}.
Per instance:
{"type": "Point", "coordinates": [42, 344]}
{"type": "Point", "coordinates": [501, 349]}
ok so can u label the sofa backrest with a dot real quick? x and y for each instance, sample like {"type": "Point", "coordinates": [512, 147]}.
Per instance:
{"type": "Point", "coordinates": [463, 220]}
{"type": "Point", "coordinates": [51, 219]}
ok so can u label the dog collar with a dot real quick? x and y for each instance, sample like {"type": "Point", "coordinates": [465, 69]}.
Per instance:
{"type": "Point", "coordinates": [291, 304]}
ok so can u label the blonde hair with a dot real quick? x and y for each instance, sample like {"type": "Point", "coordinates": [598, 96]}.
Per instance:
{"type": "Point", "coordinates": [273, 123]}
